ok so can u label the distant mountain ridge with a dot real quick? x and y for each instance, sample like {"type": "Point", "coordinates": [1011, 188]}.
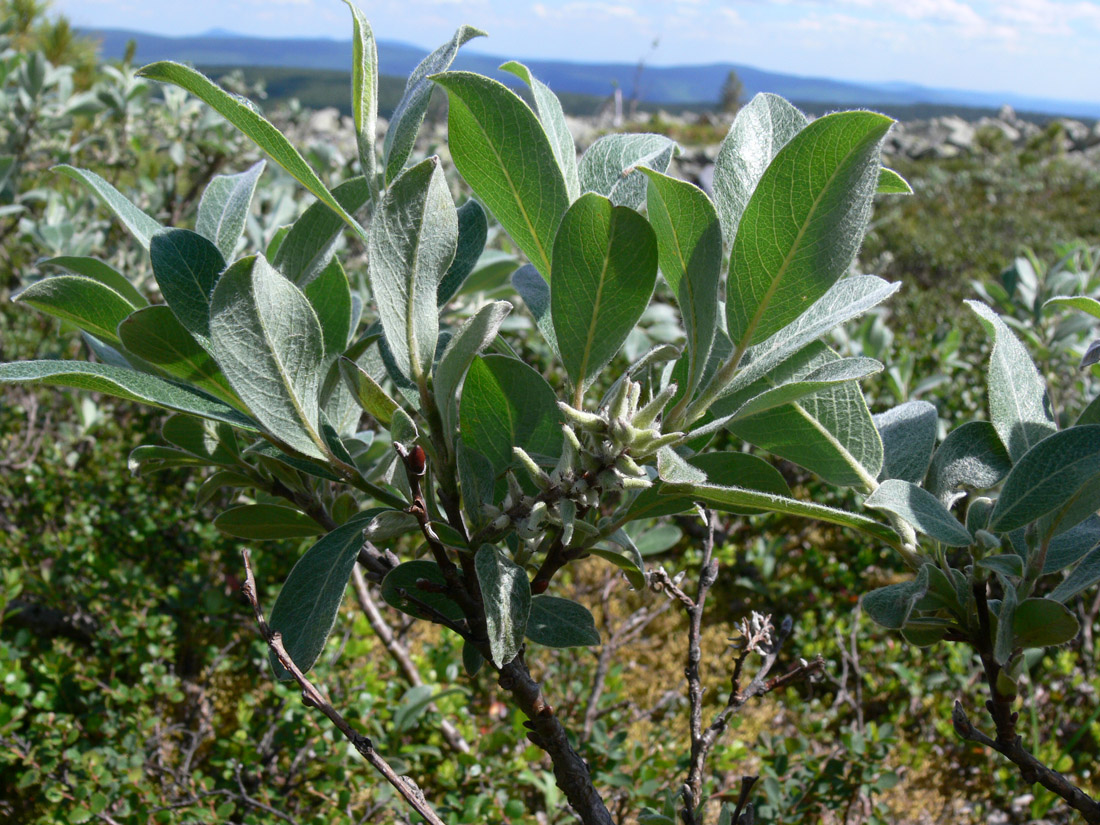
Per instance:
{"type": "Point", "coordinates": [670, 85]}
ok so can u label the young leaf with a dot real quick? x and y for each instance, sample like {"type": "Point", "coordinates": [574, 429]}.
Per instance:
{"type": "Point", "coordinates": [81, 301]}
{"type": "Point", "coordinates": [1018, 404]}
{"type": "Point", "coordinates": [409, 114]}
{"type": "Point", "coordinates": [187, 267]}
{"type": "Point", "coordinates": [921, 509]}
{"type": "Point", "coordinates": [413, 237]}
{"type": "Point", "coordinates": [890, 606]}
{"type": "Point", "coordinates": [1043, 623]}
{"type": "Point", "coordinates": [558, 622]}
{"type": "Point", "coordinates": [739, 497]}
{"type": "Point", "coordinates": [759, 131]}
{"type": "Point", "coordinates": [553, 121]}
{"type": "Point", "coordinates": [1083, 303]}
{"type": "Point", "coordinates": [473, 337]}
{"type": "Point", "coordinates": [1050, 476]}
{"type": "Point", "coordinates": [689, 249]}
{"type": "Point", "coordinates": [503, 153]}
{"type": "Point", "coordinates": [156, 335]}
{"type": "Point", "coordinates": [611, 166]}
{"type": "Point", "coordinates": [972, 455]}
{"type": "Point", "coordinates": [364, 89]}
{"type": "Point", "coordinates": [223, 209]}
{"type": "Point", "coordinates": [242, 114]}
{"type": "Point", "coordinates": [140, 225]}
{"type": "Point", "coordinates": [604, 271]}
{"type": "Point", "coordinates": [307, 247]}
{"type": "Point", "coordinates": [908, 433]}
{"type": "Point", "coordinates": [305, 611]}
{"type": "Point", "coordinates": [266, 522]}
{"type": "Point", "coordinates": [1005, 643]}
{"type": "Point", "coordinates": [725, 469]}
{"type": "Point", "coordinates": [214, 443]}
{"type": "Point", "coordinates": [473, 229]}
{"type": "Point", "coordinates": [507, 404]}
{"type": "Point", "coordinates": [267, 340]}
{"type": "Point", "coordinates": [126, 384]}
{"type": "Point", "coordinates": [506, 594]}
{"type": "Point", "coordinates": [803, 224]}
{"type": "Point", "coordinates": [99, 271]}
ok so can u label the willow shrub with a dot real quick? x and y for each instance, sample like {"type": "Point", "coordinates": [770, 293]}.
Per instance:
{"type": "Point", "coordinates": [270, 361]}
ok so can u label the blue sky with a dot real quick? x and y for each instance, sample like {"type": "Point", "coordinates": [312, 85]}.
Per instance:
{"type": "Point", "coordinates": [1038, 47]}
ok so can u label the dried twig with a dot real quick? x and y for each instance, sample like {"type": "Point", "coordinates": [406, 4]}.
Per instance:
{"type": "Point", "coordinates": [312, 697]}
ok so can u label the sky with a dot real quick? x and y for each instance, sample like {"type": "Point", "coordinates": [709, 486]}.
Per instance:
{"type": "Point", "coordinates": [1048, 48]}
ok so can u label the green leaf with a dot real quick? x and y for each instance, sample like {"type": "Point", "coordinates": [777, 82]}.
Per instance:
{"type": "Point", "coordinates": [406, 577]}
{"type": "Point", "coordinates": [891, 606]}
{"type": "Point", "coordinates": [1083, 303]}
{"type": "Point", "coordinates": [535, 292]}
{"type": "Point", "coordinates": [630, 562]}
{"type": "Point", "coordinates": [1007, 564]}
{"type": "Point", "coordinates": [413, 237]}
{"type": "Point", "coordinates": [1043, 623]}
{"type": "Point", "coordinates": [409, 114]}
{"type": "Point", "coordinates": [155, 335]}
{"type": "Point", "coordinates": [472, 660]}
{"type": "Point", "coordinates": [848, 298]}
{"type": "Point", "coordinates": [826, 376]}
{"type": "Point", "coordinates": [507, 404]}
{"type": "Point", "coordinates": [829, 432]}
{"type": "Point", "coordinates": [243, 114]}
{"type": "Point", "coordinates": [1084, 576]}
{"type": "Point", "coordinates": [1004, 643]}
{"type": "Point", "coordinates": [1072, 545]}
{"type": "Point", "coordinates": [553, 121]}
{"type": "Point", "coordinates": [689, 247]}
{"type": "Point", "coordinates": [759, 131]}
{"type": "Point", "coordinates": [891, 183]}
{"type": "Point", "coordinates": [1018, 404]}
{"type": "Point", "coordinates": [908, 433]}
{"type": "Point", "coordinates": [473, 229]}
{"type": "Point", "coordinates": [604, 271]}
{"type": "Point", "coordinates": [472, 337]}
{"type": "Point", "coordinates": [364, 89]}
{"type": "Point", "coordinates": [1050, 476]}
{"type": "Point", "coordinates": [305, 611]}
{"type": "Point", "coordinates": [214, 443]}
{"type": "Point", "coordinates": [725, 469]}
{"type": "Point", "coordinates": [124, 383]}
{"type": "Point", "coordinates": [371, 397]}
{"type": "Point", "coordinates": [266, 522]}
{"type": "Point", "coordinates": [972, 455]}
{"type": "Point", "coordinates": [266, 338]}
{"type": "Point", "coordinates": [558, 622]}
{"type": "Point", "coordinates": [611, 166]}
{"type": "Point", "coordinates": [81, 301]}
{"type": "Point", "coordinates": [307, 247]}
{"type": "Point", "coordinates": [501, 150]}
{"type": "Point", "coordinates": [921, 509]}
{"type": "Point", "coordinates": [330, 296]}
{"type": "Point", "coordinates": [740, 498]}
{"type": "Point", "coordinates": [187, 267]}
{"type": "Point", "coordinates": [99, 271]}
{"type": "Point", "coordinates": [140, 225]}
{"type": "Point", "coordinates": [148, 459]}
{"type": "Point", "coordinates": [506, 594]}
{"type": "Point", "coordinates": [223, 209]}
{"type": "Point", "coordinates": [803, 224]}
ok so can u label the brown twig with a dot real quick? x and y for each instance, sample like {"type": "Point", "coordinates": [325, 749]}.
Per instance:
{"type": "Point", "coordinates": [312, 697]}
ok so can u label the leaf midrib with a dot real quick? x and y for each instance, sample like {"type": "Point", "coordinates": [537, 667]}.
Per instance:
{"type": "Point", "coordinates": [591, 336]}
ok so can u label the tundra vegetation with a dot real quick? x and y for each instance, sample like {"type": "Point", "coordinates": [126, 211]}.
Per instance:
{"type": "Point", "coordinates": [551, 423]}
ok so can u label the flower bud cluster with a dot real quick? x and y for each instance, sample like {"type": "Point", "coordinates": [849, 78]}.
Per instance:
{"type": "Point", "coordinates": [600, 456]}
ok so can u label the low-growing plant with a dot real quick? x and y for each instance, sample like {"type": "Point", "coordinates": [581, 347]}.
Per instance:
{"type": "Point", "coordinates": [480, 478]}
